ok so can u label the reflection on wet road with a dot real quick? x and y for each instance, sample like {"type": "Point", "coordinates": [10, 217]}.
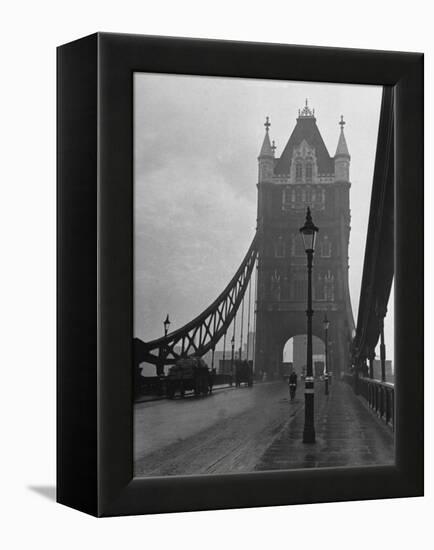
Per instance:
{"type": "Point", "coordinates": [225, 433]}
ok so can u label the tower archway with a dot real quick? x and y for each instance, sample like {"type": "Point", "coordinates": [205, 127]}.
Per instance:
{"type": "Point", "coordinates": [294, 355]}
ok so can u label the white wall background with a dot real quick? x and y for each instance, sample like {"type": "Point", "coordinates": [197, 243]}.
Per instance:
{"type": "Point", "coordinates": [29, 34]}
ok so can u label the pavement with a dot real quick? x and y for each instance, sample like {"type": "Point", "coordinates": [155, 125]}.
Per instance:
{"type": "Point", "coordinates": [347, 434]}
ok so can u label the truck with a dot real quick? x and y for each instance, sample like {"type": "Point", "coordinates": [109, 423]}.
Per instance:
{"type": "Point", "coordinates": [243, 373]}
{"type": "Point", "coordinates": [189, 374]}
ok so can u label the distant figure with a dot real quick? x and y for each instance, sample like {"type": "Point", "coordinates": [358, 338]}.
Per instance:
{"type": "Point", "coordinates": [292, 382]}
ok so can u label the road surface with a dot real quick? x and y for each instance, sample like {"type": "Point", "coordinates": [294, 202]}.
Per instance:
{"type": "Point", "coordinates": [227, 432]}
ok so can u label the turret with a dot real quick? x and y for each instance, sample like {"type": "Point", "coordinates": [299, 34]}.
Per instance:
{"type": "Point", "coordinates": [342, 157]}
{"type": "Point", "coordinates": [266, 157]}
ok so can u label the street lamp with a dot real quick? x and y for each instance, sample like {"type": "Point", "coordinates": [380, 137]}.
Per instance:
{"type": "Point", "coordinates": [330, 362]}
{"type": "Point", "coordinates": [232, 358]}
{"type": "Point", "coordinates": [166, 325]}
{"type": "Point", "coordinates": [326, 324]}
{"type": "Point", "coordinates": [308, 232]}
{"type": "Point", "coordinates": [163, 348]}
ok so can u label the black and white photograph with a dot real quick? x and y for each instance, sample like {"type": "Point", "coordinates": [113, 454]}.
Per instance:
{"type": "Point", "coordinates": [216, 283]}
{"type": "Point", "coordinates": [263, 336]}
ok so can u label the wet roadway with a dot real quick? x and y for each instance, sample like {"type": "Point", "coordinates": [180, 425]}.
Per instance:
{"type": "Point", "coordinates": [226, 432]}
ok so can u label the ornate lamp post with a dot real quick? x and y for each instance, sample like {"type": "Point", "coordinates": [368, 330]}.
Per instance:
{"type": "Point", "coordinates": [330, 362]}
{"type": "Point", "coordinates": [326, 324]}
{"type": "Point", "coordinates": [166, 325]}
{"type": "Point", "coordinates": [232, 358]}
{"type": "Point", "coordinates": [160, 366]}
{"type": "Point", "coordinates": [308, 232]}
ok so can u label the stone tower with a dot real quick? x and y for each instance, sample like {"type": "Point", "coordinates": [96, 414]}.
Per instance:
{"type": "Point", "coordinates": [304, 175]}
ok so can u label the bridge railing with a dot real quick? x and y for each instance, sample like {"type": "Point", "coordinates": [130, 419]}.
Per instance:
{"type": "Point", "coordinates": [380, 396]}
{"type": "Point", "coordinates": [156, 386]}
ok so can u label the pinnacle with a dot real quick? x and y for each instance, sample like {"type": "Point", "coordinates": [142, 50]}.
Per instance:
{"type": "Point", "coordinates": [342, 148]}
{"type": "Point", "coordinates": [266, 149]}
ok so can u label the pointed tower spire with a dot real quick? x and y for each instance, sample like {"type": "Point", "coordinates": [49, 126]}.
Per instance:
{"type": "Point", "coordinates": [342, 157]}
{"type": "Point", "coordinates": [266, 149]}
{"type": "Point", "coordinates": [266, 156]}
{"type": "Point", "coordinates": [342, 149]}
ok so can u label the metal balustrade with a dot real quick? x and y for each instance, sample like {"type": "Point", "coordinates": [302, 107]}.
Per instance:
{"type": "Point", "coordinates": [380, 396]}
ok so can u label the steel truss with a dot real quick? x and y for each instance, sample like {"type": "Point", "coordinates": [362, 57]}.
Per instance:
{"type": "Point", "coordinates": [202, 333]}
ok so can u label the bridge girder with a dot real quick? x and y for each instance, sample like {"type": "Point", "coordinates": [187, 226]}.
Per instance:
{"type": "Point", "coordinates": [378, 268]}
{"type": "Point", "coordinates": [202, 333]}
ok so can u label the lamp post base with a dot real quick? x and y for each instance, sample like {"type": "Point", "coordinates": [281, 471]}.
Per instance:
{"type": "Point", "coordinates": [309, 427]}
{"type": "Point", "coordinates": [309, 435]}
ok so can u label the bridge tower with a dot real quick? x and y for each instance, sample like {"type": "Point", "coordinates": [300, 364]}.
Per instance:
{"type": "Point", "coordinates": [304, 175]}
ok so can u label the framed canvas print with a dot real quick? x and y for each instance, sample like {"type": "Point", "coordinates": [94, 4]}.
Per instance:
{"type": "Point", "coordinates": [240, 274]}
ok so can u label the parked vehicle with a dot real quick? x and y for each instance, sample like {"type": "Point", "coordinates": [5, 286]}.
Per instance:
{"type": "Point", "coordinates": [243, 373]}
{"type": "Point", "coordinates": [189, 374]}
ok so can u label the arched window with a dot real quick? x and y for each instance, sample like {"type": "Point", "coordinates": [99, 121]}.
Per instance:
{"type": "Point", "coordinates": [319, 288]}
{"type": "Point", "coordinates": [285, 288]}
{"type": "Point", "coordinates": [299, 287]}
{"type": "Point", "coordinates": [298, 171]}
{"type": "Point", "coordinates": [297, 245]}
{"type": "Point", "coordinates": [326, 247]}
{"type": "Point", "coordinates": [288, 198]}
{"type": "Point", "coordinates": [329, 286]}
{"type": "Point", "coordinates": [275, 285]}
{"type": "Point", "coordinates": [320, 198]}
{"type": "Point", "coordinates": [298, 194]}
{"type": "Point", "coordinates": [308, 171]}
{"type": "Point", "coordinates": [280, 247]}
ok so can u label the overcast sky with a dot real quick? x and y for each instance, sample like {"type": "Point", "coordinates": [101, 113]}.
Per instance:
{"type": "Point", "coordinates": [196, 144]}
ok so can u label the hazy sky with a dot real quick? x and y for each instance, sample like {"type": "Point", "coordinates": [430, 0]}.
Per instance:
{"type": "Point", "coordinates": [196, 145]}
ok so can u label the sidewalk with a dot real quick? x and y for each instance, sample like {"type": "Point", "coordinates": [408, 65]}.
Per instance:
{"type": "Point", "coordinates": [347, 434]}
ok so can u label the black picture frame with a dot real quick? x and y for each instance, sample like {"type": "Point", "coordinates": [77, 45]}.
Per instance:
{"type": "Point", "coordinates": [95, 273]}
